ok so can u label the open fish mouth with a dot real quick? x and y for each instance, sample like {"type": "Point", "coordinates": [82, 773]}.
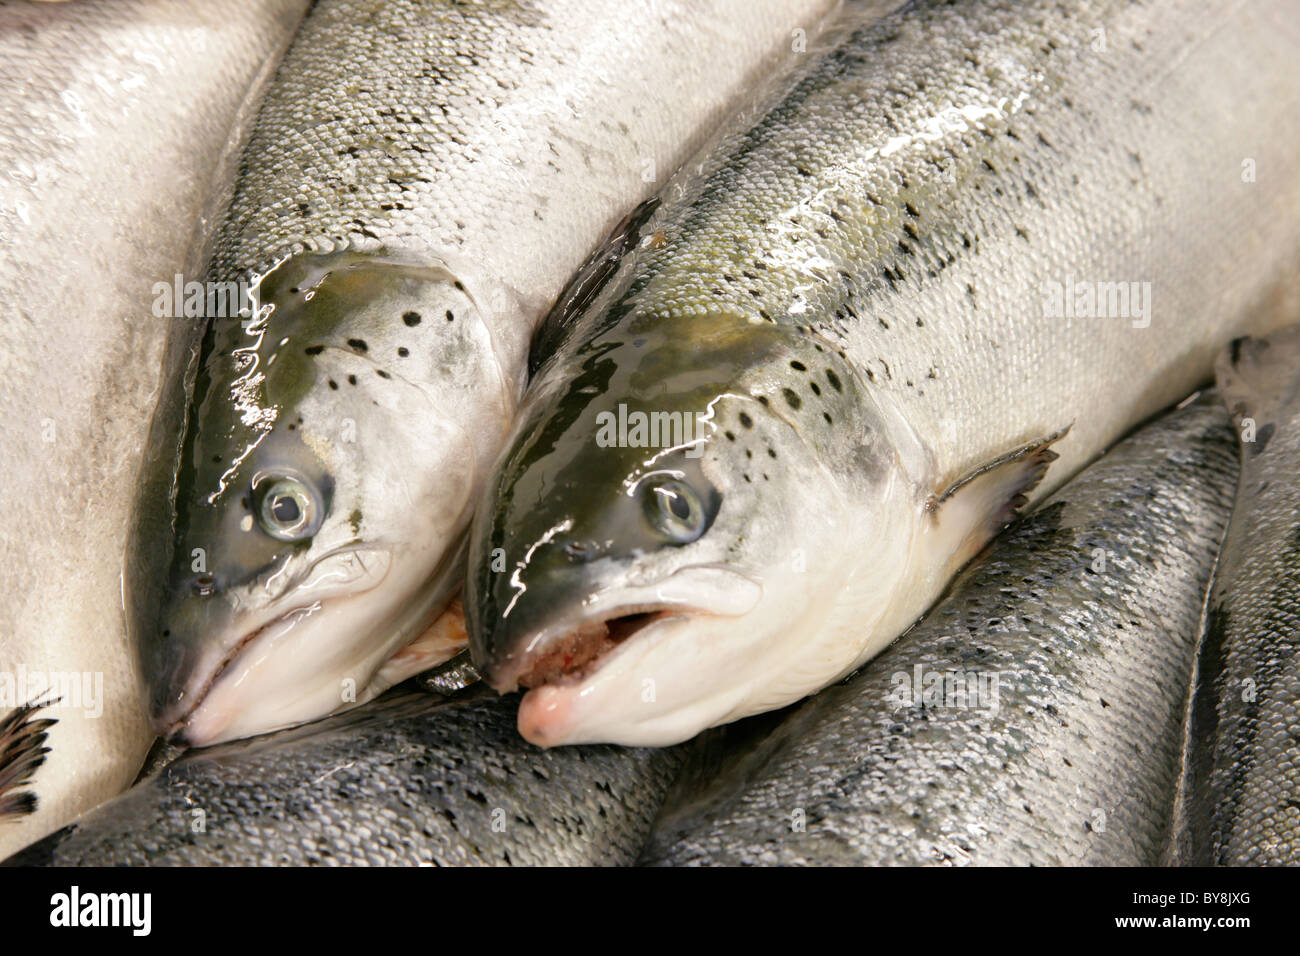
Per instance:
{"type": "Point", "coordinates": [627, 654]}
{"type": "Point", "coordinates": [573, 654]}
{"type": "Point", "coordinates": [575, 647]}
{"type": "Point", "coordinates": [579, 663]}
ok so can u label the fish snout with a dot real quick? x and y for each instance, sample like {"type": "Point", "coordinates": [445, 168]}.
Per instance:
{"type": "Point", "coordinates": [179, 662]}
{"type": "Point", "coordinates": [507, 606]}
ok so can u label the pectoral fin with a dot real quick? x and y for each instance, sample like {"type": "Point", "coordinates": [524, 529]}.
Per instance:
{"type": "Point", "coordinates": [968, 513]}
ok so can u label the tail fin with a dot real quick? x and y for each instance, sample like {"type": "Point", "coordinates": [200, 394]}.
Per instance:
{"type": "Point", "coordinates": [22, 751]}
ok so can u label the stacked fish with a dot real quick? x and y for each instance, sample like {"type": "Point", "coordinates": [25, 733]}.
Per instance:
{"type": "Point", "coordinates": [697, 379]}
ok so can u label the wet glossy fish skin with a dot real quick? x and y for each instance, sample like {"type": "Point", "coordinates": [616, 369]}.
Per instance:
{"type": "Point", "coordinates": [886, 232]}
{"type": "Point", "coordinates": [406, 780]}
{"type": "Point", "coordinates": [486, 146]}
{"type": "Point", "coordinates": [114, 122]}
{"type": "Point", "coordinates": [1088, 611]}
{"type": "Point", "coordinates": [1243, 786]}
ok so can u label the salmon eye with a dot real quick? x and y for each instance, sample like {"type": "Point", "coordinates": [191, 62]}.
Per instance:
{"type": "Point", "coordinates": [288, 509]}
{"type": "Point", "coordinates": [674, 509]}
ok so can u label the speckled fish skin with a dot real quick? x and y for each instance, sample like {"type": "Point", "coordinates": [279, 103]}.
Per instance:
{"type": "Point", "coordinates": [423, 178]}
{"type": "Point", "coordinates": [114, 121]}
{"type": "Point", "coordinates": [1243, 787]}
{"type": "Point", "coordinates": [405, 780]}
{"type": "Point", "coordinates": [854, 301]}
{"type": "Point", "coordinates": [1087, 612]}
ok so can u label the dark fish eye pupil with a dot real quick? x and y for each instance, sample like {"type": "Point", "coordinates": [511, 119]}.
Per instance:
{"type": "Point", "coordinates": [288, 510]}
{"type": "Point", "coordinates": [674, 510]}
{"type": "Point", "coordinates": [285, 508]}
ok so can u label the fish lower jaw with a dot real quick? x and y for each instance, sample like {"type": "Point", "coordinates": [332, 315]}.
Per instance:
{"type": "Point", "coordinates": [197, 728]}
{"type": "Point", "coordinates": [320, 657]}
{"type": "Point", "coordinates": [661, 689]}
{"type": "Point", "coordinates": [559, 711]}
{"type": "Point", "coordinates": [178, 729]}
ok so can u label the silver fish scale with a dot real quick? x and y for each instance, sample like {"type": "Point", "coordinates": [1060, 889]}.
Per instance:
{"type": "Point", "coordinates": [426, 127]}
{"type": "Point", "coordinates": [334, 163]}
{"type": "Point", "coordinates": [1078, 762]}
{"type": "Point", "coordinates": [1244, 798]}
{"type": "Point", "coordinates": [394, 784]}
{"type": "Point", "coordinates": [910, 196]}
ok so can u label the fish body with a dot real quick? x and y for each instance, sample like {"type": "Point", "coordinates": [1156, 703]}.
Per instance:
{"type": "Point", "coordinates": [967, 249]}
{"type": "Point", "coordinates": [405, 780]}
{"type": "Point", "coordinates": [1031, 718]}
{"type": "Point", "coordinates": [422, 179]}
{"type": "Point", "coordinates": [114, 123]}
{"type": "Point", "coordinates": [1242, 796]}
